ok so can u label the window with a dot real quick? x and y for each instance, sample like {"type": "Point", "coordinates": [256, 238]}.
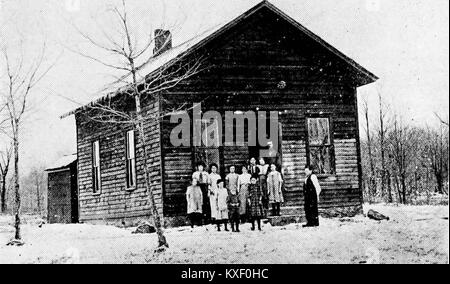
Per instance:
{"type": "Point", "coordinates": [131, 159]}
{"type": "Point", "coordinates": [320, 145]}
{"type": "Point", "coordinates": [96, 180]}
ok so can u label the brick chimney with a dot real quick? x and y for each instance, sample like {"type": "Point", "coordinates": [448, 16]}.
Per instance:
{"type": "Point", "coordinates": [163, 41]}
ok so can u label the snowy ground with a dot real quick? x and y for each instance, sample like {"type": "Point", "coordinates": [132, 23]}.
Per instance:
{"type": "Point", "coordinates": [414, 234]}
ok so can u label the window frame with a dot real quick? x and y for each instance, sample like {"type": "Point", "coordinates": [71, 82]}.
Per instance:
{"type": "Point", "coordinates": [330, 144]}
{"type": "Point", "coordinates": [127, 159]}
{"type": "Point", "coordinates": [96, 169]}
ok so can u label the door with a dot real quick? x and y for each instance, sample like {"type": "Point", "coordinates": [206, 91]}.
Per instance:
{"type": "Point", "coordinates": [210, 151]}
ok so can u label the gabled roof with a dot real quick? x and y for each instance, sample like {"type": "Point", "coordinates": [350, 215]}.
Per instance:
{"type": "Point", "coordinates": [200, 40]}
{"type": "Point", "coordinates": [62, 163]}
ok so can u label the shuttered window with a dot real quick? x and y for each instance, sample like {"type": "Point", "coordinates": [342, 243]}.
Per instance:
{"type": "Point", "coordinates": [96, 179]}
{"type": "Point", "coordinates": [131, 159]}
{"type": "Point", "coordinates": [320, 145]}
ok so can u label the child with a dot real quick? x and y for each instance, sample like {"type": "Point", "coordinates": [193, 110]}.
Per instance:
{"type": "Point", "coordinates": [194, 198]}
{"type": "Point", "coordinates": [221, 202]}
{"type": "Point", "coordinates": [233, 209]}
{"type": "Point", "coordinates": [232, 180]}
{"type": "Point", "coordinates": [255, 202]}
{"type": "Point", "coordinates": [202, 177]}
{"type": "Point", "coordinates": [243, 182]}
{"type": "Point", "coordinates": [274, 183]}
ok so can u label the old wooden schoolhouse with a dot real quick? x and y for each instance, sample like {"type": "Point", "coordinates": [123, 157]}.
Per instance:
{"type": "Point", "coordinates": [262, 60]}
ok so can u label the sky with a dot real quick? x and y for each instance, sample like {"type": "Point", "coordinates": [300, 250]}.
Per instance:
{"type": "Point", "coordinates": [404, 42]}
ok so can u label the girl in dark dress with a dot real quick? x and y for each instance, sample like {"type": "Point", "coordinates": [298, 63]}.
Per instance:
{"type": "Point", "coordinates": [255, 203]}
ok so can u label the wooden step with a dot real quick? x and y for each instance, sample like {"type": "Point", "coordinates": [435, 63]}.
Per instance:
{"type": "Point", "coordinates": [286, 220]}
{"type": "Point", "coordinates": [288, 210]}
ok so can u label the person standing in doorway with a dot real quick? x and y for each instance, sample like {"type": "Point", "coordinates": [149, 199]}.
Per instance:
{"type": "Point", "coordinates": [253, 167]}
{"type": "Point", "coordinates": [311, 192]}
{"type": "Point", "coordinates": [202, 176]}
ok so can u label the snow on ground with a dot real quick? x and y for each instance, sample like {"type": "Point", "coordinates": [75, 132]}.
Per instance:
{"type": "Point", "coordinates": [414, 234]}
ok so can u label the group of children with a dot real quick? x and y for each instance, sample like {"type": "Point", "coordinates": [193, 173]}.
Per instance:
{"type": "Point", "coordinates": [237, 198]}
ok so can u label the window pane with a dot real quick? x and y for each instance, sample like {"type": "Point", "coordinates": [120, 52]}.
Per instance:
{"type": "Point", "coordinates": [321, 159]}
{"type": "Point", "coordinates": [130, 159]}
{"type": "Point", "coordinates": [130, 145]}
{"type": "Point", "coordinates": [319, 131]}
{"type": "Point", "coordinates": [96, 153]}
{"type": "Point", "coordinates": [96, 166]}
{"type": "Point", "coordinates": [133, 172]}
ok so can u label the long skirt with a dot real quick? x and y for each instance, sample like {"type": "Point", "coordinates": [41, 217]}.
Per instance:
{"type": "Point", "coordinates": [222, 215]}
{"type": "Point", "coordinates": [311, 208]}
{"type": "Point", "coordinates": [263, 186]}
{"type": "Point", "coordinates": [243, 195]}
{"type": "Point", "coordinates": [213, 205]}
{"type": "Point", "coordinates": [206, 207]}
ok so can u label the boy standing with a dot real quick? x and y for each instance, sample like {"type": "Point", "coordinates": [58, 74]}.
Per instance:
{"type": "Point", "coordinates": [233, 208]}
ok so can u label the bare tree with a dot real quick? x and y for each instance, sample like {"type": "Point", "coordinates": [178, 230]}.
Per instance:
{"type": "Point", "coordinates": [382, 131]}
{"type": "Point", "coordinates": [437, 151]}
{"type": "Point", "coordinates": [22, 77]}
{"type": "Point", "coordinates": [372, 180]}
{"type": "Point", "coordinates": [403, 147]}
{"type": "Point", "coordinates": [36, 180]}
{"type": "Point", "coordinates": [132, 55]}
{"type": "Point", "coordinates": [5, 157]}
{"type": "Point", "coordinates": [445, 122]}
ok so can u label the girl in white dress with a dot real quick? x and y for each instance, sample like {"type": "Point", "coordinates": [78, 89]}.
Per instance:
{"type": "Point", "coordinates": [222, 206]}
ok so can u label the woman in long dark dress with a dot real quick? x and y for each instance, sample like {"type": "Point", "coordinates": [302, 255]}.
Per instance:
{"type": "Point", "coordinates": [262, 175]}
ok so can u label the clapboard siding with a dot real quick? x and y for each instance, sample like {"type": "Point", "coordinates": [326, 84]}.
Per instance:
{"type": "Point", "coordinates": [340, 188]}
{"type": "Point", "coordinates": [242, 73]}
{"type": "Point", "coordinates": [115, 201]}
{"type": "Point", "coordinates": [178, 169]}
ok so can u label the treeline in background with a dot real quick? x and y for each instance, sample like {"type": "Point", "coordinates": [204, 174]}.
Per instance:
{"type": "Point", "coordinates": [403, 161]}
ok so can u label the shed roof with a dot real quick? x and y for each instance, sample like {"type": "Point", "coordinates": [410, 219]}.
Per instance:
{"type": "Point", "coordinates": [201, 39]}
{"type": "Point", "coordinates": [62, 163]}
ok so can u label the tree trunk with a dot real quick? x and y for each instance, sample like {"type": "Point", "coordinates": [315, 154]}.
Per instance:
{"type": "Point", "coordinates": [162, 242]}
{"type": "Point", "coordinates": [388, 179]}
{"type": "Point", "coordinates": [372, 181]}
{"type": "Point", "coordinates": [17, 235]}
{"type": "Point", "coordinates": [403, 181]}
{"type": "Point", "coordinates": [3, 195]}
{"type": "Point", "coordinates": [382, 147]}
{"type": "Point", "coordinates": [38, 194]}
